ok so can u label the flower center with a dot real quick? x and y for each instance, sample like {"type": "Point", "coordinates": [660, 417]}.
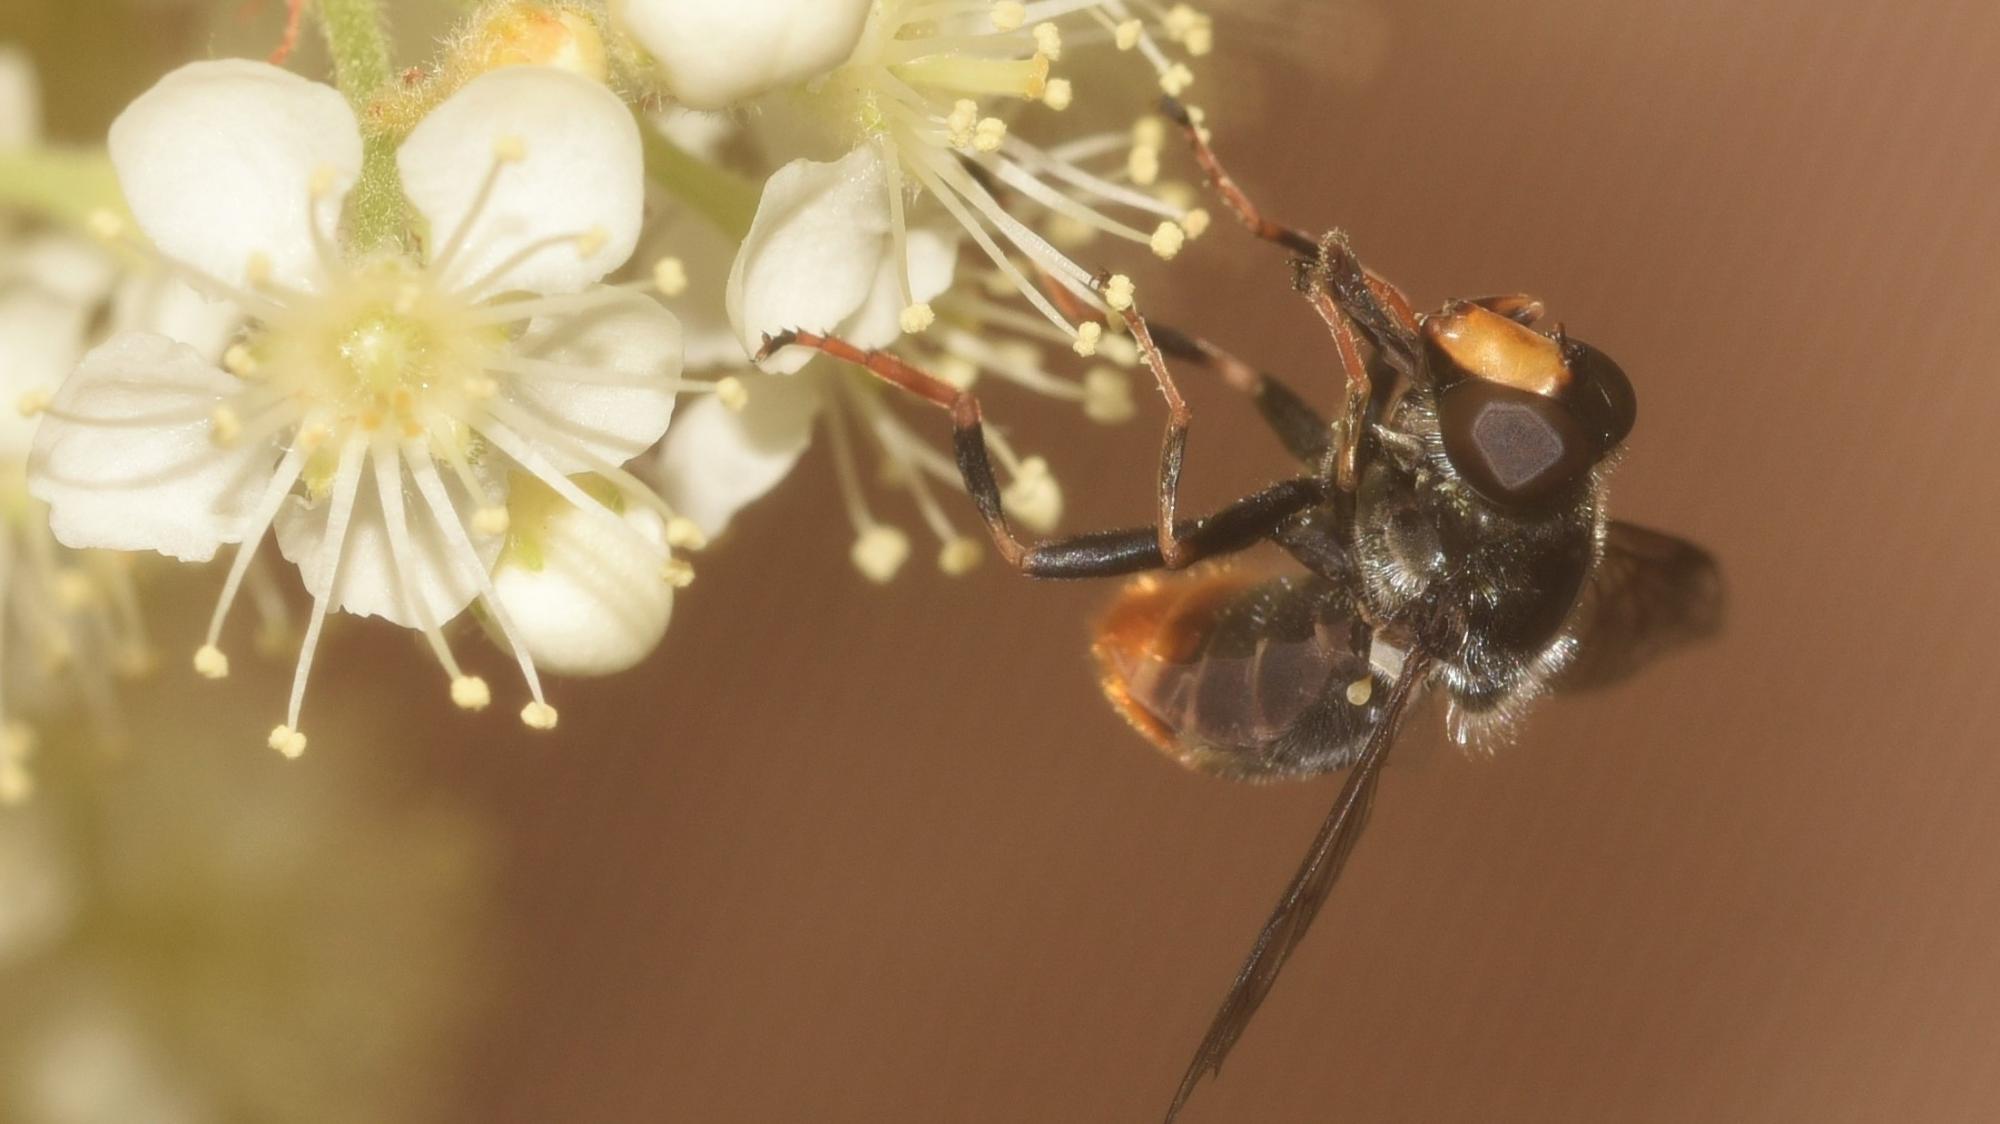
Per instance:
{"type": "Point", "coordinates": [383, 342]}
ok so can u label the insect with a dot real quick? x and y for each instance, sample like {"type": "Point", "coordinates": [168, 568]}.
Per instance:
{"type": "Point", "coordinates": [1447, 531]}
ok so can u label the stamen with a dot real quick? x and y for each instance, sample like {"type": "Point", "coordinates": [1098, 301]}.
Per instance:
{"type": "Point", "coordinates": [431, 486]}
{"type": "Point", "coordinates": [282, 478]}
{"type": "Point", "coordinates": [287, 739]}
{"type": "Point", "coordinates": [389, 492]}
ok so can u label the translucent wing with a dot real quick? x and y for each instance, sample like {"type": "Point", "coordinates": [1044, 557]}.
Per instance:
{"type": "Point", "coordinates": [1651, 593]}
{"type": "Point", "coordinates": [1308, 889]}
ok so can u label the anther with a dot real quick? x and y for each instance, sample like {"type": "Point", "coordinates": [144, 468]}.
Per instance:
{"type": "Point", "coordinates": [470, 692]}
{"type": "Point", "coordinates": [1009, 15]}
{"type": "Point", "coordinates": [670, 277]}
{"type": "Point", "coordinates": [677, 573]}
{"type": "Point", "coordinates": [240, 361]}
{"type": "Point", "coordinates": [1175, 80]}
{"type": "Point", "coordinates": [964, 117]}
{"type": "Point", "coordinates": [287, 741]}
{"type": "Point", "coordinates": [957, 370]}
{"type": "Point", "coordinates": [105, 225]}
{"type": "Point", "coordinates": [1360, 691]}
{"type": "Point", "coordinates": [731, 392]}
{"type": "Point", "coordinates": [490, 521]}
{"type": "Point", "coordinates": [538, 716]}
{"type": "Point", "coordinates": [684, 534]}
{"type": "Point", "coordinates": [917, 317]}
{"type": "Point", "coordinates": [1118, 292]}
{"type": "Point", "coordinates": [1058, 94]}
{"type": "Point", "coordinates": [1033, 496]}
{"type": "Point", "coordinates": [74, 590]}
{"type": "Point", "coordinates": [1087, 335]}
{"type": "Point", "coordinates": [32, 402]}
{"type": "Point", "coordinates": [879, 552]}
{"type": "Point", "coordinates": [1107, 396]}
{"type": "Point", "coordinates": [1143, 164]}
{"type": "Point", "coordinates": [210, 662]}
{"type": "Point", "coordinates": [989, 134]}
{"type": "Point", "coordinates": [1167, 240]}
{"type": "Point", "coordinates": [510, 149]}
{"type": "Point", "coordinates": [1048, 41]}
{"type": "Point", "coordinates": [1195, 222]}
{"type": "Point", "coordinates": [959, 556]}
{"type": "Point", "coordinates": [1126, 35]}
{"type": "Point", "coordinates": [224, 427]}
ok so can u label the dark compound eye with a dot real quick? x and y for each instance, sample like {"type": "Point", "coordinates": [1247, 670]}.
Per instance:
{"type": "Point", "coordinates": [1600, 393]}
{"type": "Point", "coordinates": [1514, 447]}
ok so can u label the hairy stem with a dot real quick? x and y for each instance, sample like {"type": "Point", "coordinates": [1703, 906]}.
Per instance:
{"type": "Point", "coordinates": [357, 37]}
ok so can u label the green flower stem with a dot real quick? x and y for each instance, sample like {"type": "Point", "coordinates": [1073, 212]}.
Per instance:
{"type": "Point", "coordinates": [722, 197]}
{"type": "Point", "coordinates": [63, 185]}
{"type": "Point", "coordinates": [358, 39]}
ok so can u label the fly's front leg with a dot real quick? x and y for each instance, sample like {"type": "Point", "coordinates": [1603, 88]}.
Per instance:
{"type": "Point", "coordinates": [1176, 543]}
{"type": "Point", "coordinates": [1298, 426]}
{"type": "Point", "coordinates": [1360, 391]}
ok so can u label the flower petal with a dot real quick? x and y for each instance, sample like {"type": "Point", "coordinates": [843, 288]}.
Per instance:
{"type": "Point", "coordinates": [364, 580]}
{"type": "Point", "coordinates": [588, 601]}
{"type": "Point", "coordinates": [813, 251]}
{"type": "Point", "coordinates": [158, 302]}
{"type": "Point", "coordinates": [878, 322]}
{"type": "Point", "coordinates": [714, 462]}
{"type": "Point", "coordinates": [714, 54]}
{"type": "Point", "coordinates": [167, 486]}
{"type": "Point", "coordinates": [218, 162]}
{"type": "Point", "coordinates": [633, 343]}
{"type": "Point", "coordinates": [553, 221]}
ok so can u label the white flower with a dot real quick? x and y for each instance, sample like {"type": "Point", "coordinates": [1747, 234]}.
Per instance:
{"type": "Point", "coordinates": [712, 54]}
{"type": "Point", "coordinates": [823, 255]}
{"type": "Point", "coordinates": [925, 88]}
{"type": "Point", "coordinates": [381, 405]}
{"type": "Point", "coordinates": [818, 257]}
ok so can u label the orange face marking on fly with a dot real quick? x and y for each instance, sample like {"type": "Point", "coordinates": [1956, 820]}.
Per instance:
{"type": "Point", "coordinates": [1466, 341]}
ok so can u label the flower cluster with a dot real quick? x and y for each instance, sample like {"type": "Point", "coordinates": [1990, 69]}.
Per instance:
{"type": "Point", "coordinates": [428, 332]}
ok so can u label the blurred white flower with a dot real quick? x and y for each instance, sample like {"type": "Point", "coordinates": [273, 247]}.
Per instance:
{"type": "Point", "coordinates": [191, 935]}
{"type": "Point", "coordinates": [381, 405]}
{"type": "Point", "coordinates": [714, 54]}
{"type": "Point", "coordinates": [69, 620]}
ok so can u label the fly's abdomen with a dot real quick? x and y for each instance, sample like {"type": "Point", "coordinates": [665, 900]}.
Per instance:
{"type": "Point", "coordinates": [1242, 674]}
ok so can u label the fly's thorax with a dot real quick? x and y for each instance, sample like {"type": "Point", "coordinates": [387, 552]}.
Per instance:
{"type": "Point", "coordinates": [1489, 588]}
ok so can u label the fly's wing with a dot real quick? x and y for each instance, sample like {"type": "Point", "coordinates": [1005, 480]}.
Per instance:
{"type": "Point", "coordinates": [1234, 670]}
{"type": "Point", "coordinates": [1308, 889]}
{"type": "Point", "coordinates": [1651, 593]}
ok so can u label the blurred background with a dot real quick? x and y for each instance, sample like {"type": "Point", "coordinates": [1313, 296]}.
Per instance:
{"type": "Point", "coordinates": [850, 853]}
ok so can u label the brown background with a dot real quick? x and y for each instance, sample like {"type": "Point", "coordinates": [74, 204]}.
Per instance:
{"type": "Point", "coordinates": [849, 854]}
